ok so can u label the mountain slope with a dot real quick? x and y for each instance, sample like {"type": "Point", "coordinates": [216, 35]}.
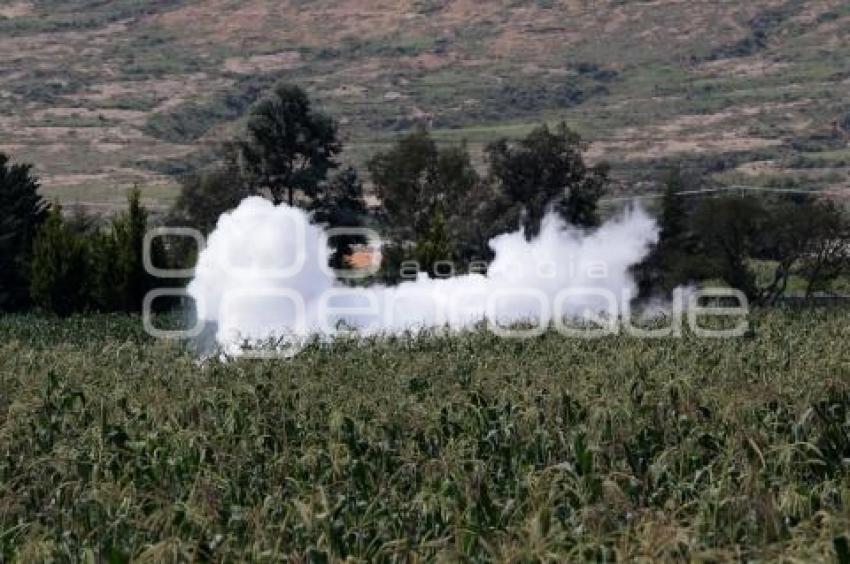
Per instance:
{"type": "Point", "coordinates": [104, 94]}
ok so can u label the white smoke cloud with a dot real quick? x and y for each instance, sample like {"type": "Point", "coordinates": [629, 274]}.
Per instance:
{"type": "Point", "coordinates": [261, 278]}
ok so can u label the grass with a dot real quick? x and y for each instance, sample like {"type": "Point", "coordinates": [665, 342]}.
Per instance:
{"type": "Point", "coordinates": [841, 155]}
{"type": "Point", "coordinates": [108, 197]}
{"type": "Point", "coordinates": [116, 447]}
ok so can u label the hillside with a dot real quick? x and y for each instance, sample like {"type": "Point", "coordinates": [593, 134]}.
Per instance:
{"type": "Point", "coordinates": [105, 94]}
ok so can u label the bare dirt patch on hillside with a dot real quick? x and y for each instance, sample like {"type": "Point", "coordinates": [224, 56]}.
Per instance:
{"type": "Point", "coordinates": [758, 168]}
{"type": "Point", "coordinates": [729, 141]}
{"type": "Point", "coordinates": [744, 67]}
{"type": "Point", "coordinates": [16, 10]}
{"type": "Point", "coordinates": [322, 23]}
{"type": "Point", "coordinates": [285, 60]}
{"type": "Point", "coordinates": [133, 117]}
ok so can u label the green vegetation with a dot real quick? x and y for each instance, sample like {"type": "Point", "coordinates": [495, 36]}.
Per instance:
{"type": "Point", "coordinates": [60, 266]}
{"type": "Point", "coordinates": [79, 266]}
{"type": "Point", "coordinates": [341, 204]}
{"type": "Point", "coordinates": [73, 15]}
{"type": "Point", "coordinates": [288, 147]}
{"type": "Point", "coordinates": [191, 120]}
{"type": "Point", "coordinates": [116, 447]}
{"type": "Point", "coordinates": [435, 206]}
{"type": "Point", "coordinates": [471, 447]}
{"type": "Point", "coordinates": [763, 246]}
{"type": "Point", "coordinates": [22, 211]}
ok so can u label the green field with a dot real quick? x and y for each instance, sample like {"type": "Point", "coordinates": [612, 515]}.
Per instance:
{"type": "Point", "coordinates": [472, 448]}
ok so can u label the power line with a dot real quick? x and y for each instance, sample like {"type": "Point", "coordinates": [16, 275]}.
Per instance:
{"type": "Point", "coordinates": [843, 192]}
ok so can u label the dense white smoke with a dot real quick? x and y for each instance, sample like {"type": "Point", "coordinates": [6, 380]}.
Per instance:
{"type": "Point", "coordinates": [262, 278]}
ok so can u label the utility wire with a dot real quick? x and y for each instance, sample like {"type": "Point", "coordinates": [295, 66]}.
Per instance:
{"type": "Point", "coordinates": [844, 192]}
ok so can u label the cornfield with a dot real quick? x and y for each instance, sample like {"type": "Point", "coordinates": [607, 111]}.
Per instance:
{"type": "Point", "coordinates": [115, 447]}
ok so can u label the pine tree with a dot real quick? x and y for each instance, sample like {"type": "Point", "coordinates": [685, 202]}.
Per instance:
{"type": "Point", "coordinates": [60, 267]}
{"type": "Point", "coordinates": [436, 246]}
{"type": "Point", "coordinates": [341, 204]}
{"type": "Point", "coordinates": [676, 258]}
{"type": "Point", "coordinates": [674, 213]}
{"type": "Point", "coordinates": [22, 210]}
{"type": "Point", "coordinates": [124, 281]}
{"type": "Point", "coordinates": [105, 277]}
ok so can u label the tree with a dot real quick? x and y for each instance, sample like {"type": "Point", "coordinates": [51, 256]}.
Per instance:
{"type": "Point", "coordinates": [729, 228]}
{"type": "Point", "coordinates": [415, 178]}
{"type": "Point", "coordinates": [436, 246]}
{"type": "Point", "coordinates": [674, 210]}
{"type": "Point", "coordinates": [122, 281]}
{"type": "Point", "coordinates": [786, 238]}
{"type": "Point", "coordinates": [814, 243]}
{"type": "Point", "coordinates": [676, 258]}
{"type": "Point", "coordinates": [404, 183]}
{"type": "Point", "coordinates": [289, 147]}
{"type": "Point", "coordinates": [757, 246]}
{"type": "Point", "coordinates": [60, 267]}
{"type": "Point", "coordinates": [205, 196]}
{"type": "Point", "coordinates": [461, 198]}
{"type": "Point", "coordinates": [544, 171]}
{"type": "Point", "coordinates": [22, 211]}
{"type": "Point", "coordinates": [426, 193]}
{"type": "Point", "coordinates": [341, 204]}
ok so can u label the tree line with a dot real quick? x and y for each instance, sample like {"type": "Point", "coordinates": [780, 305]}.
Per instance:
{"type": "Point", "coordinates": [757, 244]}
{"type": "Point", "coordinates": [65, 264]}
{"type": "Point", "coordinates": [433, 206]}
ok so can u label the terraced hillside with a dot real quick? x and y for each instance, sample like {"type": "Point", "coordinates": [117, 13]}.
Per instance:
{"type": "Point", "coordinates": [105, 94]}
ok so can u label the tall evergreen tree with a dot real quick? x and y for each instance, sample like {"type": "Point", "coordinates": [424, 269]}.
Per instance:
{"type": "Point", "coordinates": [674, 211]}
{"type": "Point", "coordinates": [22, 210]}
{"type": "Point", "coordinates": [122, 279]}
{"type": "Point", "coordinates": [341, 204]}
{"type": "Point", "coordinates": [60, 267]}
{"type": "Point", "coordinates": [676, 258]}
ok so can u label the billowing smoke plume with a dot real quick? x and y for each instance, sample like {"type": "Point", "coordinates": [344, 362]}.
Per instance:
{"type": "Point", "coordinates": [262, 278]}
